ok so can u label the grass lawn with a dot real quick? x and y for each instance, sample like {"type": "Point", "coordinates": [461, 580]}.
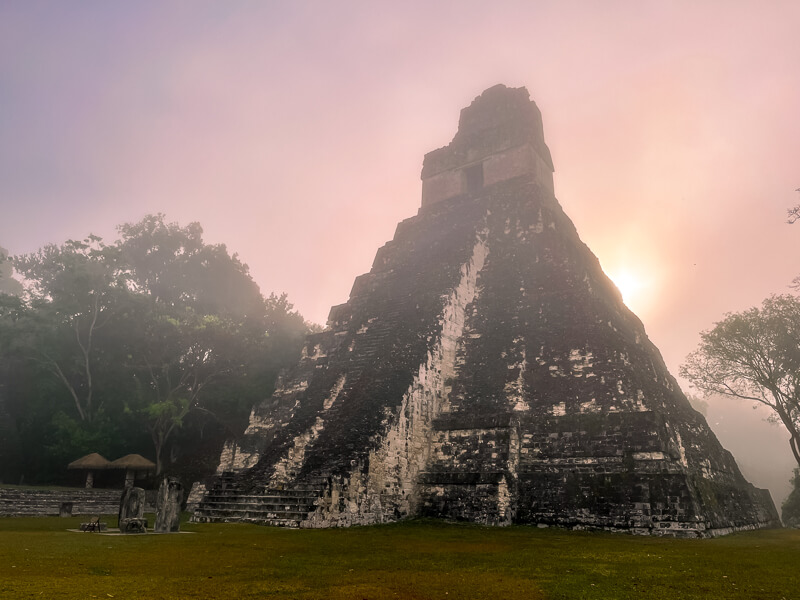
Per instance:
{"type": "Point", "coordinates": [418, 559]}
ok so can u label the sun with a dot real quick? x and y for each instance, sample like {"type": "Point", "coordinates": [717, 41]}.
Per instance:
{"type": "Point", "coordinates": [637, 270]}
{"type": "Point", "coordinates": [634, 286]}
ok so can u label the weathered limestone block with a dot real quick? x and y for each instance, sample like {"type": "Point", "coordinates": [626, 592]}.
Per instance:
{"type": "Point", "coordinates": [195, 496]}
{"type": "Point", "coordinates": [168, 506]}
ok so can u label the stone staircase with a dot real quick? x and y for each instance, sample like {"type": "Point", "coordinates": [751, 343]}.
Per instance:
{"type": "Point", "coordinates": [369, 345]}
{"type": "Point", "coordinates": [228, 500]}
{"type": "Point", "coordinates": [237, 497]}
{"type": "Point", "coordinates": [19, 502]}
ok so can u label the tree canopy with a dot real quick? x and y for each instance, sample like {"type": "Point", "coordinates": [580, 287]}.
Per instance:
{"type": "Point", "coordinates": [8, 285]}
{"type": "Point", "coordinates": [755, 355]}
{"type": "Point", "coordinates": [74, 292]}
{"type": "Point", "coordinates": [159, 336]}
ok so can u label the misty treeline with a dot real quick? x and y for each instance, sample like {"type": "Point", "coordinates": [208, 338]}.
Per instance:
{"type": "Point", "coordinates": [157, 344]}
{"type": "Point", "coordinates": [754, 355]}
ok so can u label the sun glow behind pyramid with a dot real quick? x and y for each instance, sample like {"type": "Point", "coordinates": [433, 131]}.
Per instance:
{"type": "Point", "coordinates": [636, 286]}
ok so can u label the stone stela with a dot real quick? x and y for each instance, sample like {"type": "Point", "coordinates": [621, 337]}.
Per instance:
{"type": "Point", "coordinates": [131, 511]}
{"type": "Point", "coordinates": [485, 369]}
{"type": "Point", "coordinates": [168, 506]}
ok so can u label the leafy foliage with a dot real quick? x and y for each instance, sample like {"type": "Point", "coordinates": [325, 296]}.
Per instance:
{"type": "Point", "coordinates": [755, 355]}
{"type": "Point", "coordinates": [157, 336]}
{"type": "Point", "coordinates": [793, 214]}
{"type": "Point", "coordinates": [790, 511]}
{"type": "Point", "coordinates": [8, 285]}
{"type": "Point", "coordinates": [75, 289]}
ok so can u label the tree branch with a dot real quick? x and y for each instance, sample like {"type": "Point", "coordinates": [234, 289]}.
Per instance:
{"type": "Point", "coordinates": [56, 370]}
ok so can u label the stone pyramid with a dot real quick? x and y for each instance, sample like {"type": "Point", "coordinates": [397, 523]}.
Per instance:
{"type": "Point", "coordinates": [487, 370]}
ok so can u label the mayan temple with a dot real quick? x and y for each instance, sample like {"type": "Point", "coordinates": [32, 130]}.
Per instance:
{"type": "Point", "coordinates": [487, 370]}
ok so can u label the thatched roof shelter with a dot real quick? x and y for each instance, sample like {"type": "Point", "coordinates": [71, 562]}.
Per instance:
{"type": "Point", "coordinates": [133, 462]}
{"type": "Point", "coordinates": [93, 462]}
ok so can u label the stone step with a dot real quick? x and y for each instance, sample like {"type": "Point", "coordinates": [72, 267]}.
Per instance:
{"type": "Point", "coordinates": [252, 513]}
{"type": "Point", "coordinates": [261, 499]}
{"type": "Point", "coordinates": [268, 496]}
{"type": "Point", "coordinates": [11, 493]}
{"type": "Point", "coordinates": [51, 499]}
{"type": "Point", "coordinates": [273, 522]}
{"type": "Point", "coordinates": [258, 501]}
{"type": "Point", "coordinates": [460, 478]}
{"type": "Point", "coordinates": [27, 501]}
{"type": "Point", "coordinates": [55, 510]}
{"type": "Point", "coordinates": [259, 506]}
{"type": "Point", "coordinates": [315, 490]}
{"type": "Point", "coordinates": [228, 499]}
{"type": "Point", "coordinates": [242, 490]}
{"type": "Point", "coordinates": [10, 509]}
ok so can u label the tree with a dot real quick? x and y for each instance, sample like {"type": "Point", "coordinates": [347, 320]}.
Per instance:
{"type": "Point", "coordinates": [179, 356]}
{"type": "Point", "coordinates": [61, 367]}
{"type": "Point", "coordinates": [755, 355]}
{"type": "Point", "coordinates": [11, 310]}
{"type": "Point", "coordinates": [74, 289]}
{"type": "Point", "coordinates": [201, 322]}
{"type": "Point", "coordinates": [8, 285]}
{"type": "Point", "coordinates": [793, 213]}
{"type": "Point", "coordinates": [792, 217]}
{"type": "Point", "coordinates": [173, 266]}
{"type": "Point", "coordinates": [790, 511]}
{"type": "Point", "coordinates": [159, 335]}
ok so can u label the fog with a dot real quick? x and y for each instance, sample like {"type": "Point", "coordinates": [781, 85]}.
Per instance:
{"type": "Point", "coordinates": [295, 134]}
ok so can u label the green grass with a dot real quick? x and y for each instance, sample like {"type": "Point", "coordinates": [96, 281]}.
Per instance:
{"type": "Point", "coordinates": [418, 559]}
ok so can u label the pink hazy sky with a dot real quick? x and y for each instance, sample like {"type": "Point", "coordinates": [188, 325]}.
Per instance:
{"type": "Point", "coordinates": [294, 133]}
